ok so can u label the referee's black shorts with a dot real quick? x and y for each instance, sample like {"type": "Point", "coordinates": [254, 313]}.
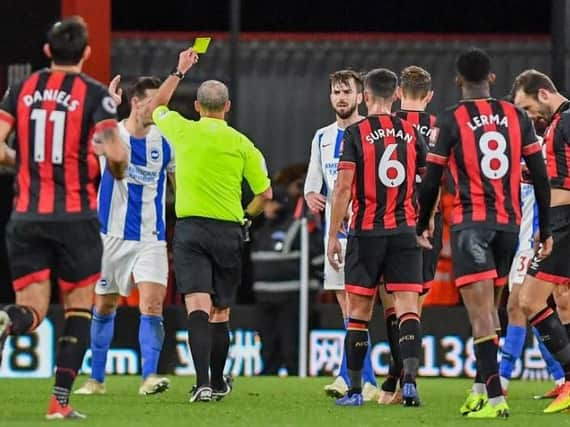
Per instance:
{"type": "Point", "coordinates": [208, 258]}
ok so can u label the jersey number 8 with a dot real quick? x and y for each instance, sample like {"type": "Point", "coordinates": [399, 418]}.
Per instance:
{"type": "Point", "coordinates": [494, 163]}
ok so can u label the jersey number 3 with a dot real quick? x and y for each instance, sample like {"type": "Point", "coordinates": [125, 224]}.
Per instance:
{"type": "Point", "coordinates": [40, 117]}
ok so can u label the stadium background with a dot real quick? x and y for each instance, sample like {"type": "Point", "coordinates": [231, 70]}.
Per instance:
{"type": "Point", "coordinates": [276, 60]}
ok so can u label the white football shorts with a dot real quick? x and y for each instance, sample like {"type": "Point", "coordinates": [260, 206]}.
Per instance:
{"type": "Point", "coordinates": [127, 263]}
{"type": "Point", "coordinates": [334, 280]}
{"type": "Point", "coordinates": [521, 261]}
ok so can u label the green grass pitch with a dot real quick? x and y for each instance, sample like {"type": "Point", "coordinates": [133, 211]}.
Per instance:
{"type": "Point", "coordinates": [263, 402]}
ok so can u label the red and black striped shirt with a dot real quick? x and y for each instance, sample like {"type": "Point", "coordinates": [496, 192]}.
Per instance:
{"type": "Point", "coordinates": [482, 142]}
{"type": "Point", "coordinates": [423, 121]}
{"type": "Point", "coordinates": [386, 153]}
{"type": "Point", "coordinates": [55, 115]}
{"type": "Point", "coordinates": [557, 146]}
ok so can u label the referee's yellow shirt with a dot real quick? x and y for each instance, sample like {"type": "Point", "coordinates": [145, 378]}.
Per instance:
{"type": "Point", "coordinates": [212, 159]}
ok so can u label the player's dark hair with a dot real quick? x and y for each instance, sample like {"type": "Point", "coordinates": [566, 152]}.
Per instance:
{"type": "Point", "coordinates": [67, 40]}
{"type": "Point", "coordinates": [140, 85]}
{"type": "Point", "coordinates": [344, 76]}
{"type": "Point", "coordinates": [531, 81]}
{"type": "Point", "coordinates": [381, 82]}
{"type": "Point", "coordinates": [474, 65]}
{"type": "Point", "coordinates": [415, 82]}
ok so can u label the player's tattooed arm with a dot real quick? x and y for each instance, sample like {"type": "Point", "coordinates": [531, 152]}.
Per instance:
{"type": "Point", "coordinates": [114, 150]}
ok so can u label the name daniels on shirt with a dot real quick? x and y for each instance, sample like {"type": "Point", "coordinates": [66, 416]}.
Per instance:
{"type": "Point", "coordinates": [55, 95]}
{"type": "Point", "coordinates": [377, 134]}
{"type": "Point", "coordinates": [485, 120]}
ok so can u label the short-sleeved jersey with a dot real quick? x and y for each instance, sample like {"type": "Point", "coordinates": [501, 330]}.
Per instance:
{"type": "Point", "coordinates": [482, 142]}
{"type": "Point", "coordinates": [212, 159]}
{"type": "Point", "coordinates": [557, 147]}
{"type": "Point", "coordinates": [386, 153]}
{"type": "Point", "coordinates": [55, 115]}
{"type": "Point", "coordinates": [133, 208]}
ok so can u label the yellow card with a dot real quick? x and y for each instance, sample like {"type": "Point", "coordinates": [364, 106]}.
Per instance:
{"type": "Point", "coordinates": [201, 44]}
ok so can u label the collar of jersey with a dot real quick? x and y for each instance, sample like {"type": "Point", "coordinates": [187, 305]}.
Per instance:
{"type": "Point", "coordinates": [212, 119]}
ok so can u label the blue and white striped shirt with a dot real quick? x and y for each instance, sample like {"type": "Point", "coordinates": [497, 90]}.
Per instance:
{"type": "Point", "coordinates": [133, 208]}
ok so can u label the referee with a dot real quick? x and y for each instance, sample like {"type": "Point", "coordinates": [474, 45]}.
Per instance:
{"type": "Point", "coordinates": [212, 159]}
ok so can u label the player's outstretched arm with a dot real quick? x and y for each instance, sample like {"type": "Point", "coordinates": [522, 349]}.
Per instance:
{"type": "Point", "coordinates": [186, 59]}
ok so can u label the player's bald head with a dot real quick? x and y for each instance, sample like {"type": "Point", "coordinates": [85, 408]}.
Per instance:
{"type": "Point", "coordinates": [213, 95]}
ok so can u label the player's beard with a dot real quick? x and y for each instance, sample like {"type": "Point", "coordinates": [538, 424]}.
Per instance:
{"type": "Point", "coordinates": [345, 112]}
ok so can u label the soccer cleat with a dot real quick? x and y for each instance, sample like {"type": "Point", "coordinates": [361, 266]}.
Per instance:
{"type": "Point", "coordinates": [154, 385]}
{"type": "Point", "coordinates": [56, 411]}
{"type": "Point", "coordinates": [228, 387]}
{"type": "Point", "coordinates": [369, 392]}
{"type": "Point", "coordinates": [473, 402]}
{"type": "Point", "coordinates": [354, 399]}
{"type": "Point", "coordinates": [550, 394]}
{"type": "Point", "coordinates": [561, 402]}
{"type": "Point", "coordinates": [201, 394]}
{"type": "Point", "coordinates": [5, 323]}
{"type": "Point", "coordinates": [489, 411]}
{"type": "Point", "coordinates": [337, 389]}
{"type": "Point", "coordinates": [91, 386]}
{"type": "Point", "coordinates": [410, 395]}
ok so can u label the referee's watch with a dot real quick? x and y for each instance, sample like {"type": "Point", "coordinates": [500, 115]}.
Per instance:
{"type": "Point", "coordinates": [177, 73]}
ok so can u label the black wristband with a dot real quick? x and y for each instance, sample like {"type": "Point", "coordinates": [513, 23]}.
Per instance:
{"type": "Point", "coordinates": [177, 73]}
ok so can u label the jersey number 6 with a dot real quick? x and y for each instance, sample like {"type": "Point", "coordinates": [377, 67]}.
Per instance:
{"type": "Point", "coordinates": [390, 171]}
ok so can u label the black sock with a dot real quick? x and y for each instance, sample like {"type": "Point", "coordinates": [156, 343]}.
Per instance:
{"type": "Point", "coordinates": [410, 345]}
{"type": "Point", "coordinates": [554, 336]}
{"type": "Point", "coordinates": [355, 347]}
{"type": "Point", "coordinates": [486, 358]}
{"type": "Point", "coordinates": [396, 366]}
{"type": "Point", "coordinates": [200, 342]}
{"type": "Point", "coordinates": [478, 378]}
{"type": "Point", "coordinates": [23, 318]}
{"type": "Point", "coordinates": [220, 347]}
{"type": "Point", "coordinates": [70, 351]}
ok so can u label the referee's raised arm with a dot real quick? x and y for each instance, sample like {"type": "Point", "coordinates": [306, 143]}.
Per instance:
{"type": "Point", "coordinates": [212, 160]}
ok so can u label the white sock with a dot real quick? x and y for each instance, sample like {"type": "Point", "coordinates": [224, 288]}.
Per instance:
{"type": "Point", "coordinates": [479, 388]}
{"type": "Point", "coordinates": [494, 401]}
{"type": "Point", "coordinates": [560, 381]}
{"type": "Point", "coordinates": [504, 383]}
